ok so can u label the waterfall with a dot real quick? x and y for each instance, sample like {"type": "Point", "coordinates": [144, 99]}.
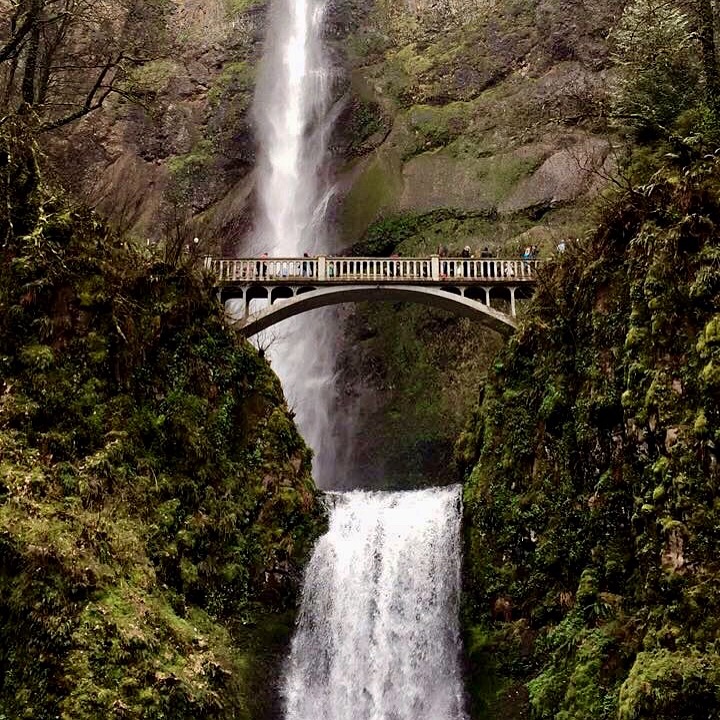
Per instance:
{"type": "Point", "coordinates": [378, 630]}
{"type": "Point", "coordinates": [294, 118]}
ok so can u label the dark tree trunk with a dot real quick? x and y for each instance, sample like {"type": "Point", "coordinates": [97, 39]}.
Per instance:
{"type": "Point", "coordinates": [706, 33]}
{"type": "Point", "coordinates": [32, 53]}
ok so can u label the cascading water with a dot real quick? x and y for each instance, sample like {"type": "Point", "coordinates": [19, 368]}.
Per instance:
{"type": "Point", "coordinates": [378, 635]}
{"type": "Point", "coordinates": [292, 103]}
{"type": "Point", "coordinates": [294, 118]}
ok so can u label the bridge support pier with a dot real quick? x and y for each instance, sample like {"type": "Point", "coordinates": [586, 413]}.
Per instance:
{"type": "Point", "coordinates": [487, 295]}
{"type": "Point", "coordinates": [512, 301]}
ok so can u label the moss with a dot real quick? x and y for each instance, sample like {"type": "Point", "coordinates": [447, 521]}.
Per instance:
{"type": "Point", "coordinates": [590, 502]}
{"type": "Point", "coordinates": [182, 167]}
{"type": "Point", "coordinates": [501, 174]}
{"type": "Point", "coordinates": [234, 85]}
{"type": "Point", "coordinates": [154, 490]}
{"type": "Point", "coordinates": [153, 77]}
{"type": "Point", "coordinates": [237, 7]}
{"type": "Point", "coordinates": [373, 194]}
{"type": "Point", "coordinates": [190, 175]}
{"type": "Point", "coordinates": [437, 126]}
{"type": "Point", "coordinates": [671, 686]}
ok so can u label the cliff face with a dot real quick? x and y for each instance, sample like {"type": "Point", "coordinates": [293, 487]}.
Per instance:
{"type": "Point", "coordinates": [592, 514]}
{"type": "Point", "coordinates": [477, 107]}
{"type": "Point", "coordinates": [176, 149]}
{"type": "Point", "coordinates": [155, 497]}
{"type": "Point", "coordinates": [477, 124]}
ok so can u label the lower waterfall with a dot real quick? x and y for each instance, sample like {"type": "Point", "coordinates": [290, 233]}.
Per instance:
{"type": "Point", "coordinates": [378, 631]}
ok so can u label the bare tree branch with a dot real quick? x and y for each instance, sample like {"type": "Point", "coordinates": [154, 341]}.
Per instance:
{"type": "Point", "coordinates": [15, 43]}
{"type": "Point", "coordinates": [94, 100]}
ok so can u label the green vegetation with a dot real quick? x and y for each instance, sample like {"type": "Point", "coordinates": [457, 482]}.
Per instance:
{"type": "Point", "coordinates": [661, 90]}
{"type": "Point", "coordinates": [153, 78]}
{"type": "Point", "coordinates": [155, 498]}
{"type": "Point", "coordinates": [237, 7]}
{"type": "Point", "coordinates": [417, 390]}
{"type": "Point", "coordinates": [592, 514]}
{"type": "Point", "coordinates": [375, 192]}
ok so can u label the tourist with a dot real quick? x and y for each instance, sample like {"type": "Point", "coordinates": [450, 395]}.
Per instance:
{"type": "Point", "coordinates": [306, 266]}
{"type": "Point", "coordinates": [465, 254]}
{"type": "Point", "coordinates": [526, 256]}
{"type": "Point", "coordinates": [394, 266]}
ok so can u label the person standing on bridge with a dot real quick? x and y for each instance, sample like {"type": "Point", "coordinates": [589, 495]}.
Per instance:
{"type": "Point", "coordinates": [442, 252]}
{"type": "Point", "coordinates": [487, 268]}
{"type": "Point", "coordinates": [526, 256]}
{"type": "Point", "coordinates": [465, 255]}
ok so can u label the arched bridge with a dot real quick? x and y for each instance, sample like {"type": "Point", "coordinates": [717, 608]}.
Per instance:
{"type": "Point", "coordinates": [290, 286]}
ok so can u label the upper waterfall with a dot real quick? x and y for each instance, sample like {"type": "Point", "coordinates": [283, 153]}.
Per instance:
{"type": "Point", "coordinates": [291, 117]}
{"type": "Point", "coordinates": [378, 634]}
{"type": "Point", "coordinates": [293, 122]}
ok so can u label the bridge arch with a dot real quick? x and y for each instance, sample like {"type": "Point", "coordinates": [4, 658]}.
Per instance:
{"type": "Point", "coordinates": [310, 299]}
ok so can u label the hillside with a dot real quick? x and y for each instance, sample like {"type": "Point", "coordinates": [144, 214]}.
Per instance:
{"type": "Point", "coordinates": [591, 501]}
{"type": "Point", "coordinates": [458, 122]}
{"type": "Point", "coordinates": [468, 123]}
{"type": "Point", "coordinates": [156, 502]}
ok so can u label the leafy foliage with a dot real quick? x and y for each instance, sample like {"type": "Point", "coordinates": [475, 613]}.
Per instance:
{"type": "Point", "coordinates": [592, 515]}
{"type": "Point", "coordinates": [154, 491]}
{"type": "Point", "coordinates": [668, 77]}
{"type": "Point", "coordinates": [660, 70]}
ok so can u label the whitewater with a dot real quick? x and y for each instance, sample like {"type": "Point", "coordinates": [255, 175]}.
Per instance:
{"type": "Point", "coordinates": [378, 632]}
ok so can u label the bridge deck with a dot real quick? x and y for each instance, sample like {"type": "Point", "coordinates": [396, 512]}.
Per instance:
{"type": "Point", "coordinates": [323, 270]}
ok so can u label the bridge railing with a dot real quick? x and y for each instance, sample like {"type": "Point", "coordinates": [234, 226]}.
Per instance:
{"type": "Point", "coordinates": [487, 269]}
{"type": "Point", "coordinates": [379, 268]}
{"type": "Point", "coordinates": [343, 269]}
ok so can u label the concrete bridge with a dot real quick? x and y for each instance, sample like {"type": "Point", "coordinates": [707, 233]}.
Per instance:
{"type": "Point", "coordinates": [290, 286]}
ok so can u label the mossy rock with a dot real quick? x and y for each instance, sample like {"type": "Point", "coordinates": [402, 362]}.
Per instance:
{"type": "Point", "coordinates": [373, 194]}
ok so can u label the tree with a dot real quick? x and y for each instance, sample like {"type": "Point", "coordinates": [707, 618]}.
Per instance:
{"type": "Point", "coordinates": [707, 22]}
{"type": "Point", "coordinates": [61, 59]}
{"type": "Point", "coordinates": [669, 73]}
{"type": "Point", "coordinates": [656, 50]}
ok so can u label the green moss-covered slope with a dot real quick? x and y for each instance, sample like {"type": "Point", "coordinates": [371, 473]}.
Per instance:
{"type": "Point", "coordinates": [155, 497]}
{"type": "Point", "coordinates": [592, 510]}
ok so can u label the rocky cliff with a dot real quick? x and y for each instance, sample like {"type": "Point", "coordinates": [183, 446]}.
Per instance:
{"type": "Point", "coordinates": [458, 123]}
{"type": "Point", "coordinates": [476, 107]}
{"type": "Point", "coordinates": [480, 124]}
